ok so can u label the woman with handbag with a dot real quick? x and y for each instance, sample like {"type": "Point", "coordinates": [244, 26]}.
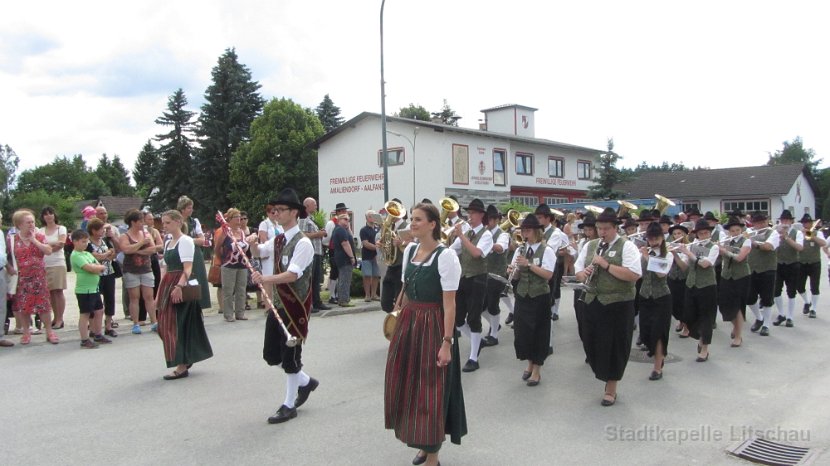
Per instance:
{"type": "Point", "coordinates": [181, 326]}
{"type": "Point", "coordinates": [194, 230]}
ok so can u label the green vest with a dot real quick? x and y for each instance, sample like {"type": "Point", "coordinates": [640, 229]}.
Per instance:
{"type": "Point", "coordinates": [423, 283]}
{"type": "Point", "coordinates": [786, 253]}
{"type": "Point", "coordinates": [399, 256]}
{"type": "Point", "coordinates": [302, 284]}
{"type": "Point", "coordinates": [548, 233]}
{"type": "Point", "coordinates": [497, 263]}
{"type": "Point", "coordinates": [698, 276]}
{"type": "Point", "coordinates": [675, 272]}
{"type": "Point", "coordinates": [472, 266]}
{"type": "Point", "coordinates": [653, 286]}
{"type": "Point", "coordinates": [530, 284]}
{"type": "Point", "coordinates": [733, 270]}
{"type": "Point", "coordinates": [602, 285]}
{"type": "Point", "coordinates": [763, 261]}
{"type": "Point", "coordinates": [811, 252]}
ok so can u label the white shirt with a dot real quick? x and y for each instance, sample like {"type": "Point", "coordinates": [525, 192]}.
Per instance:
{"type": "Point", "coordinates": [774, 239]}
{"type": "Point", "coordinates": [448, 267]}
{"type": "Point", "coordinates": [548, 259]}
{"type": "Point", "coordinates": [56, 259]}
{"type": "Point", "coordinates": [485, 244]}
{"type": "Point", "coordinates": [197, 228]}
{"type": "Point", "coordinates": [330, 226]}
{"type": "Point", "coordinates": [272, 229]}
{"type": "Point", "coordinates": [2, 250]}
{"type": "Point", "coordinates": [303, 252]}
{"type": "Point", "coordinates": [503, 241]}
{"type": "Point", "coordinates": [558, 239]}
{"type": "Point", "coordinates": [186, 248]}
{"type": "Point", "coordinates": [631, 257]}
{"type": "Point", "coordinates": [711, 257]}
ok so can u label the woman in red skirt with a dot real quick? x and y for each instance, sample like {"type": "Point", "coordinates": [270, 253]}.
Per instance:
{"type": "Point", "coordinates": [423, 400]}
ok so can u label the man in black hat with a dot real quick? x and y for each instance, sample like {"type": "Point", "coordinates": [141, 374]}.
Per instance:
{"type": "Point", "coordinates": [473, 242]}
{"type": "Point", "coordinates": [293, 256]}
{"type": "Point", "coordinates": [789, 267]}
{"type": "Point", "coordinates": [763, 263]}
{"type": "Point", "coordinates": [810, 259]}
{"type": "Point", "coordinates": [609, 265]}
{"type": "Point", "coordinates": [340, 208]}
{"type": "Point", "coordinates": [496, 266]}
{"type": "Point", "coordinates": [392, 284]}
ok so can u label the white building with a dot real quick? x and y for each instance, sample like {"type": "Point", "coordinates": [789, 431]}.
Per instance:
{"type": "Point", "coordinates": [500, 161]}
{"type": "Point", "coordinates": [770, 189]}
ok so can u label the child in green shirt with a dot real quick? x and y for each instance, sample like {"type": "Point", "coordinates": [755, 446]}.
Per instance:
{"type": "Point", "coordinates": [88, 272]}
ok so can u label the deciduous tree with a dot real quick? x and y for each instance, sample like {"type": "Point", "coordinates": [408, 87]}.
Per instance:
{"type": "Point", "coordinates": [414, 112]}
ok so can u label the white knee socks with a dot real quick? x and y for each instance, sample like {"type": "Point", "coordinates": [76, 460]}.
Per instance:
{"type": "Point", "coordinates": [475, 344]}
{"type": "Point", "coordinates": [767, 316]}
{"type": "Point", "coordinates": [494, 325]}
{"type": "Point", "coordinates": [291, 386]}
{"type": "Point", "coordinates": [814, 301]}
{"type": "Point", "coordinates": [804, 298]}
{"type": "Point", "coordinates": [465, 329]}
{"type": "Point", "coordinates": [754, 308]}
{"type": "Point", "coordinates": [508, 302]}
{"type": "Point", "coordinates": [555, 308]}
{"type": "Point", "coordinates": [790, 308]}
{"type": "Point", "coordinates": [779, 303]}
{"type": "Point", "coordinates": [304, 379]}
{"type": "Point", "coordinates": [332, 288]}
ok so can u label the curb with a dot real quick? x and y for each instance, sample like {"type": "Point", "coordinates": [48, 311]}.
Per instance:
{"type": "Point", "coordinates": [350, 310]}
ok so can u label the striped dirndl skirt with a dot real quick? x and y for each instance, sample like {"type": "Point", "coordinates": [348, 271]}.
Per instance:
{"type": "Point", "coordinates": [422, 402]}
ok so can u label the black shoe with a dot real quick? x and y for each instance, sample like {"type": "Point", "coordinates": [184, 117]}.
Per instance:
{"type": "Point", "coordinates": [419, 459]}
{"type": "Point", "coordinates": [526, 375]}
{"type": "Point", "coordinates": [812, 314]}
{"type": "Point", "coordinates": [282, 415]}
{"type": "Point", "coordinates": [555, 317]}
{"type": "Point", "coordinates": [489, 341]}
{"type": "Point", "coordinates": [764, 331]}
{"type": "Point", "coordinates": [806, 309]}
{"type": "Point", "coordinates": [470, 366]}
{"type": "Point", "coordinates": [702, 359]}
{"type": "Point", "coordinates": [509, 319]}
{"type": "Point", "coordinates": [789, 323]}
{"type": "Point", "coordinates": [176, 375]}
{"type": "Point", "coordinates": [714, 325]}
{"type": "Point", "coordinates": [655, 375]}
{"type": "Point", "coordinates": [303, 392]}
{"type": "Point", "coordinates": [550, 350]}
{"type": "Point", "coordinates": [779, 320]}
{"type": "Point", "coordinates": [639, 340]}
{"type": "Point", "coordinates": [757, 325]}
{"type": "Point", "coordinates": [322, 307]}
{"type": "Point", "coordinates": [332, 301]}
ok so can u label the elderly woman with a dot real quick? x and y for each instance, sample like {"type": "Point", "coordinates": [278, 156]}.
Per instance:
{"type": "Point", "coordinates": [231, 248]}
{"type": "Point", "coordinates": [194, 230]}
{"type": "Point", "coordinates": [55, 234]}
{"type": "Point", "coordinates": [27, 248]}
{"type": "Point", "coordinates": [181, 327]}
{"type": "Point", "coordinates": [138, 245]}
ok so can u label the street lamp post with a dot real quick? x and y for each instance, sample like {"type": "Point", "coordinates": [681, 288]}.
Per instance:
{"type": "Point", "coordinates": [384, 155]}
{"type": "Point", "coordinates": [411, 143]}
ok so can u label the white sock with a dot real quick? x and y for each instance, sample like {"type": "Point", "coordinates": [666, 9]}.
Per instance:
{"type": "Point", "coordinates": [637, 321]}
{"type": "Point", "coordinates": [755, 311]}
{"type": "Point", "coordinates": [551, 336]}
{"type": "Point", "coordinates": [790, 308]}
{"type": "Point", "coordinates": [304, 379]}
{"type": "Point", "coordinates": [332, 288]}
{"type": "Point", "coordinates": [494, 325]}
{"type": "Point", "coordinates": [767, 316]}
{"type": "Point", "coordinates": [779, 303]}
{"type": "Point", "coordinates": [555, 308]}
{"type": "Point", "coordinates": [465, 329]}
{"type": "Point", "coordinates": [475, 344]}
{"type": "Point", "coordinates": [508, 302]}
{"type": "Point", "coordinates": [804, 298]}
{"type": "Point", "coordinates": [291, 386]}
{"type": "Point", "coordinates": [815, 302]}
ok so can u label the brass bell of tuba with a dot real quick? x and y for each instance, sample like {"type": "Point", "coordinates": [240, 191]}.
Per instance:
{"type": "Point", "coordinates": [662, 203]}
{"type": "Point", "coordinates": [447, 205]}
{"type": "Point", "coordinates": [394, 212]}
{"type": "Point", "coordinates": [624, 208]}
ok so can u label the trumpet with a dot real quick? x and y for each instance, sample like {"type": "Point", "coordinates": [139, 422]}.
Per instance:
{"type": "Point", "coordinates": [808, 235]}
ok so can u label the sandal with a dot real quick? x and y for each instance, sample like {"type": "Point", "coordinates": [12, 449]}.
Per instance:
{"type": "Point", "coordinates": [607, 402]}
{"type": "Point", "coordinates": [114, 324]}
{"type": "Point", "coordinates": [26, 339]}
{"type": "Point", "coordinates": [58, 327]}
{"type": "Point", "coordinates": [52, 338]}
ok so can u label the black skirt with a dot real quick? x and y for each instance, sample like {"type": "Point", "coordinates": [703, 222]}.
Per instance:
{"type": "Point", "coordinates": [655, 322]}
{"type": "Point", "coordinates": [732, 297]}
{"type": "Point", "coordinates": [531, 326]}
{"type": "Point", "coordinates": [606, 337]}
{"type": "Point", "coordinates": [678, 297]}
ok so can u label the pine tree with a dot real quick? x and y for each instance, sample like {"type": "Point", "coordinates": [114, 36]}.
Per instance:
{"type": "Point", "coordinates": [176, 165]}
{"type": "Point", "coordinates": [114, 175]}
{"type": "Point", "coordinates": [146, 169]}
{"type": "Point", "coordinates": [9, 161]}
{"type": "Point", "coordinates": [607, 175]}
{"type": "Point", "coordinates": [232, 103]}
{"type": "Point", "coordinates": [329, 114]}
{"type": "Point", "coordinates": [447, 115]}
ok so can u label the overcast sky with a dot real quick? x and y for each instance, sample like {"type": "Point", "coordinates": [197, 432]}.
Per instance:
{"type": "Point", "coordinates": [708, 83]}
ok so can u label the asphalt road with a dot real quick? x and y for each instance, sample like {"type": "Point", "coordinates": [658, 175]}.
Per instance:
{"type": "Point", "coordinates": [64, 405]}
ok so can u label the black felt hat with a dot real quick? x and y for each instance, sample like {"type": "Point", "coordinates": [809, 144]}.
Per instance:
{"type": "Point", "coordinates": [493, 212]}
{"type": "Point", "coordinates": [678, 226]}
{"type": "Point", "coordinates": [710, 216]}
{"type": "Point", "coordinates": [786, 215]}
{"type": "Point", "coordinates": [733, 221]}
{"type": "Point", "coordinates": [589, 220]}
{"type": "Point", "coordinates": [341, 206]}
{"type": "Point", "coordinates": [629, 222]}
{"type": "Point", "coordinates": [646, 216]}
{"type": "Point", "coordinates": [806, 219]}
{"type": "Point", "coordinates": [654, 230]}
{"type": "Point", "coordinates": [476, 205]}
{"type": "Point", "coordinates": [543, 209]}
{"type": "Point", "coordinates": [531, 222]}
{"type": "Point", "coordinates": [702, 224]}
{"type": "Point", "coordinates": [666, 219]}
{"type": "Point", "coordinates": [608, 216]}
{"type": "Point", "coordinates": [693, 211]}
{"type": "Point", "coordinates": [288, 197]}
{"type": "Point", "coordinates": [758, 216]}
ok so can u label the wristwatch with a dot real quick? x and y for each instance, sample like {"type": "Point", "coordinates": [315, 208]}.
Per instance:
{"type": "Point", "coordinates": [449, 340]}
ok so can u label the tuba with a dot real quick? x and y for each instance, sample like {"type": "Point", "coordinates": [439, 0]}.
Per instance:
{"type": "Point", "coordinates": [662, 203]}
{"type": "Point", "coordinates": [394, 212]}
{"type": "Point", "coordinates": [447, 205]}
{"type": "Point", "coordinates": [512, 220]}
{"type": "Point", "coordinates": [624, 208]}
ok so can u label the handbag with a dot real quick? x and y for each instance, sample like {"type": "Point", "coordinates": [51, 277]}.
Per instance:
{"type": "Point", "coordinates": [191, 292]}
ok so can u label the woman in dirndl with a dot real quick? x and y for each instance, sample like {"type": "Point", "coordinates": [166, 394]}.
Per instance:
{"type": "Point", "coordinates": [423, 400]}
{"type": "Point", "coordinates": [194, 230]}
{"type": "Point", "coordinates": [180, 323]}
{"type": "Point", "coordinates": [655, 298]}
{"type": "Point", "coordinates": [733, 291]}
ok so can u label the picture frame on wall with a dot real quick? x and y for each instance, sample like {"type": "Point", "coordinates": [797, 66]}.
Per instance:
{"type": "Point", "coordinates": [460, 164]}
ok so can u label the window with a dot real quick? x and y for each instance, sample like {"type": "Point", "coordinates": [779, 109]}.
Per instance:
{"type": "Point", "coordinates": [556, 167]}
{"type": "Point", "coordinates": [556, 200]}
{"type": "Point", "coordinates": [685, 206]}
{"type": "Point", "coordinates": [499, 171]}
{"type": "Point", "coordinates": [746, 206]}
{"type": "Point", "coordinates": [583, 201]}
{"type": "Point", "coordinates": [395, 156]}
{"type": "Point", "coordinates": [583, 170]}
{"type": "Point", "coordinates": [524, 164]}
{"type": "Point", "coordinates": [529, 201]}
